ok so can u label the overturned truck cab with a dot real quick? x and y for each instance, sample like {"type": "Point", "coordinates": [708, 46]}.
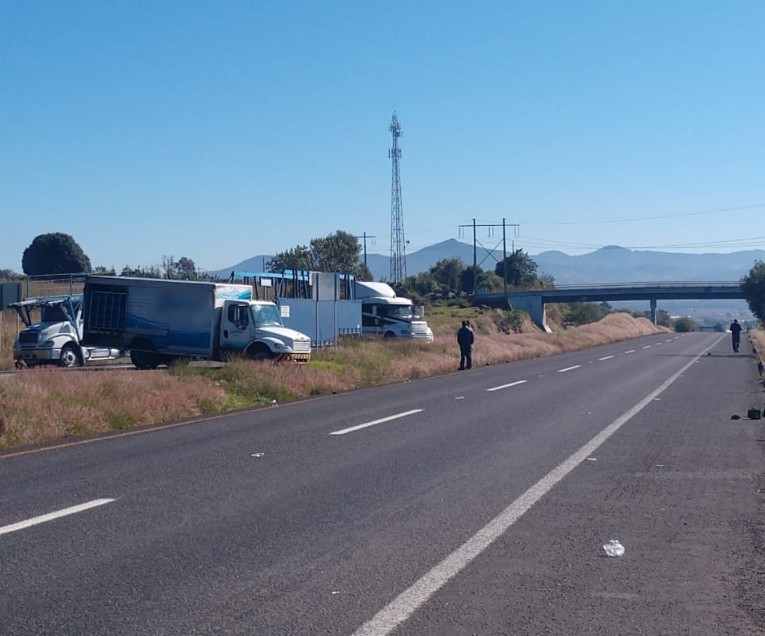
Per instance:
{"type": "Point", "coordinates": [54, 339]}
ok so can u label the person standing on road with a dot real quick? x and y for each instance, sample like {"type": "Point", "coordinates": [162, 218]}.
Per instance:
{"type": "Point", "coordinates": [465, 341]}
{"type": "Point", "coordinates": [735, 332]}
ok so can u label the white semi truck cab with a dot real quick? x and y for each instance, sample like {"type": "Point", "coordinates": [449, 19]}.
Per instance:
{"type": "Point", "coordinates": [385, 314]}
{"type": "Point", "coordinates": [56, 337]}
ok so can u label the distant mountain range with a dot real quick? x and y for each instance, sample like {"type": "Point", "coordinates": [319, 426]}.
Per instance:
{"type": "Point", "coordinates": [610, 264]}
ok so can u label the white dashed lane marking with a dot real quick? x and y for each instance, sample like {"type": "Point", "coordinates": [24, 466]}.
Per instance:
{"type": "Point", "coordinates": [507, 386]}
{"type": "Point", "coordinates": [373, 423]}
{"type": "Point", "coordinates": [21, 525]}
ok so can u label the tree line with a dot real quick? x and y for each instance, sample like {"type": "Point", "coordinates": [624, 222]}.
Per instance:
{"type": "Point", "coordinates": [59, 253]}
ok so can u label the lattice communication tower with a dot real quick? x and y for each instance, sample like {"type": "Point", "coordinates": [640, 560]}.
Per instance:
{"type": "Point", "coordinates": [397, 242]}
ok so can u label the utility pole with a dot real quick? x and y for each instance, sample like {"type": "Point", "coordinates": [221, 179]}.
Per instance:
{"type": "Point", "coordinates": [365, 237]}
{"type": "Point", "coordinates": [397, 242]}
{"type": "Point", "coordinates": [489, 251]}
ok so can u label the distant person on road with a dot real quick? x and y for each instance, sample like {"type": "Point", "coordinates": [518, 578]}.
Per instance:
{"type": "Point", "coordinates": [735, 333]}
{"type": "Point", "coordinates": [465, 341]}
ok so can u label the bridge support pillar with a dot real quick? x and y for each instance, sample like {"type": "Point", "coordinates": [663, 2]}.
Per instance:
{"type": "Point", "coordinates": [653, 310]}
{"type": "Point", "coordinates": [534, 307]}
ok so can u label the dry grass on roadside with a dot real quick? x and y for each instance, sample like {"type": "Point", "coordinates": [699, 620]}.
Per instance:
{"type": "Point", "coordinates": [39, 405]}
{"type": "Point", "coordinates": [43, 404]}
{"type": "Point", "coordinates": [757, 337]}
{"type": "Point", "coordinates": [8, 332]}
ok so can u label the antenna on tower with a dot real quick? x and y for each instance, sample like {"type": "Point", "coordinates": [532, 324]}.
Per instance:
{"type": "Point", "coordinates": [397, 242]}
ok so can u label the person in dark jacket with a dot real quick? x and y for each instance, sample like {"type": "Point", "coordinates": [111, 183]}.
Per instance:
{"type": "Point", "coordinates": [465, 341]}
{"type": "Point", "coordinates": [735, 332]}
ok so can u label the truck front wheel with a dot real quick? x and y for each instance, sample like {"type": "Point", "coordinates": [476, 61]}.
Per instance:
{"type": "Point", "coordinates": [70, 356]}
{"type": "Point", "coordinates": [259, 353]}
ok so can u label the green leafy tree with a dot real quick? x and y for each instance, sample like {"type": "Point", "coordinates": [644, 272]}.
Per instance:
{"type": "Point", "coordinates": [685, 325]}
{"type": "Point", "coordinates": [583, 313]}
{"type": "Point", "coordinates": [753, 287]}
{"type": "Point", "coordinates": [182, 269]}
{"type": "Point", "coordinates": [490, 281]}
{"type": "Point", "coordinates": [8, 274]}
{"type": "Point", "coordinates": [141, 272]}
{"type": "Point", "coordinates": [521, 270]}
{"type": "Point", "coordinates": [420, 287]}
{"type": "Point", "coordinates": [54, 253]}
{"type": "Point", "coordinates": [296, 258]}
{"type": "Point", "coordinates": [447, 274]}
{"type": "Point", "coordinates": [338, 252]}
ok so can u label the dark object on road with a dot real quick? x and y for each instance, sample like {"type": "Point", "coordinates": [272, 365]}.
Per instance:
{"type": "Point", "coordinates": [735, 417]}
{"type": "Point", "coordinates": [760, 368]}
{"type": "Point", "coordinates": [754, 414]}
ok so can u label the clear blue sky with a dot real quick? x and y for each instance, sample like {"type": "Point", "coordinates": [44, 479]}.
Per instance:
{"type": "Point", "coordinates": [222, 130]}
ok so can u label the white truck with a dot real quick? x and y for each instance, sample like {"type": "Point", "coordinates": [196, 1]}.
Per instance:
{"type": "Point", "coordinates": [56, 337]}
{"type": "Point", "coordinates": [160, 321]}
{"type": "Point", "coordinates": [385, 314]}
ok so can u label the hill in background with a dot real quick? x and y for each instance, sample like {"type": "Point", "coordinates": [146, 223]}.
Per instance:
{"type": "Point", "coordinates": [610, 264]}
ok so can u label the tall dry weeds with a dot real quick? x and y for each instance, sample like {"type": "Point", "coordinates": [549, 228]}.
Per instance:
{"type": "Point", "coordinates": [39, 405]}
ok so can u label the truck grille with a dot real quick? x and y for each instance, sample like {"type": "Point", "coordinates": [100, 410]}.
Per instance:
{"type": "Point", "coordinates": [29, 337]}
{"type": "Point", "coordinates": [302, 346]}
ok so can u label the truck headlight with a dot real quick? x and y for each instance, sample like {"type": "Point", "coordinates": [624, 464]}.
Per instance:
{"type": "Point", "coordinates": [49, 344]}
{"type": "Point", "coordinates": [280, 346]}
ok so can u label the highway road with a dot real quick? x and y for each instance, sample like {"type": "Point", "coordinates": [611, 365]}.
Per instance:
{"type": "Point", "coordinates": [472, 503]}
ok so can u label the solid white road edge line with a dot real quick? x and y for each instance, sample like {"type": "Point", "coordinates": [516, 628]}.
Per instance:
{"type": "Point", "coordinates": [380, 421]}
{"type": "Point", "coordinates": [605, 358]}
{"type": "Point", "coordinates": [53, 515]}
{"type": "Point", "coordinates": [576, 366]}
{"type": "Point", "coordinates": [411, 599]}
{"type": "Point", "coordinates": [507, 386]}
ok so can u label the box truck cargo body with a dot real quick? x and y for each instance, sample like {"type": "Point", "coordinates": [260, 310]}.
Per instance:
{"type": "Point", "coordinates": [161, 320]}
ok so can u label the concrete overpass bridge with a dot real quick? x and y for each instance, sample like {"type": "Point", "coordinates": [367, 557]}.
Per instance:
{"type": "Point", "coordinates": [533, 301]}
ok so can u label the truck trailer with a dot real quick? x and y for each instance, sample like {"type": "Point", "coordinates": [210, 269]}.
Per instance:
{"type": "Point", "coordinates": [161, 321]}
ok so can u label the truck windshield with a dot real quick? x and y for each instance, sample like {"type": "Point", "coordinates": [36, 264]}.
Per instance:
{"type": "Point", "coordinates": [56, 313]}
{"type": "Point", "coordinates": [399, 311]}
{"type": "Point", "coordinates": [266, 316]}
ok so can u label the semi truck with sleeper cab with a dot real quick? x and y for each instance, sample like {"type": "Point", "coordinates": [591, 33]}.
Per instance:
{"type": "Point", "coordinates": [161, 321]}
{"type": "Point", "coordinates": [385, 314]}
{"type": "Point", "coordinates": [54, 339]}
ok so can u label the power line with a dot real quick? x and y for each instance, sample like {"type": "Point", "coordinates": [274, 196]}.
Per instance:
{"type": "Point", "coordinates": [647, 218]}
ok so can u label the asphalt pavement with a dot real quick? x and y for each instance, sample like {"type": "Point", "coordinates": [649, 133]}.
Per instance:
{"type": "Point", "coordinates": [472, 503]}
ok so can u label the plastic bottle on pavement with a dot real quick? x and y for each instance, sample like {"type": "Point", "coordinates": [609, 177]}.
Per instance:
{"type": "Point", "coordinates": [613, 548]}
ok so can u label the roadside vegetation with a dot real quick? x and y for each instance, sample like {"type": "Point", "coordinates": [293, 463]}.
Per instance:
{"type": "Point", "coordinates": [40, 405]}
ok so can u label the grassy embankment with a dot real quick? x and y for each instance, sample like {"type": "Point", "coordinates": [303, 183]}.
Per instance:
{"type": "Point", "coordinates": [41, 404]}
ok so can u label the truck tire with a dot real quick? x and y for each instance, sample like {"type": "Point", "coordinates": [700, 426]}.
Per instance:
{"type": "Point", "coordinates": [145, 359]}
{"type": "Point", "coordinates": [259, 352]}
{"type": "Point", "coordinates": [389, 334]}
{"type": "Point", "coordinates": [70, 356]}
